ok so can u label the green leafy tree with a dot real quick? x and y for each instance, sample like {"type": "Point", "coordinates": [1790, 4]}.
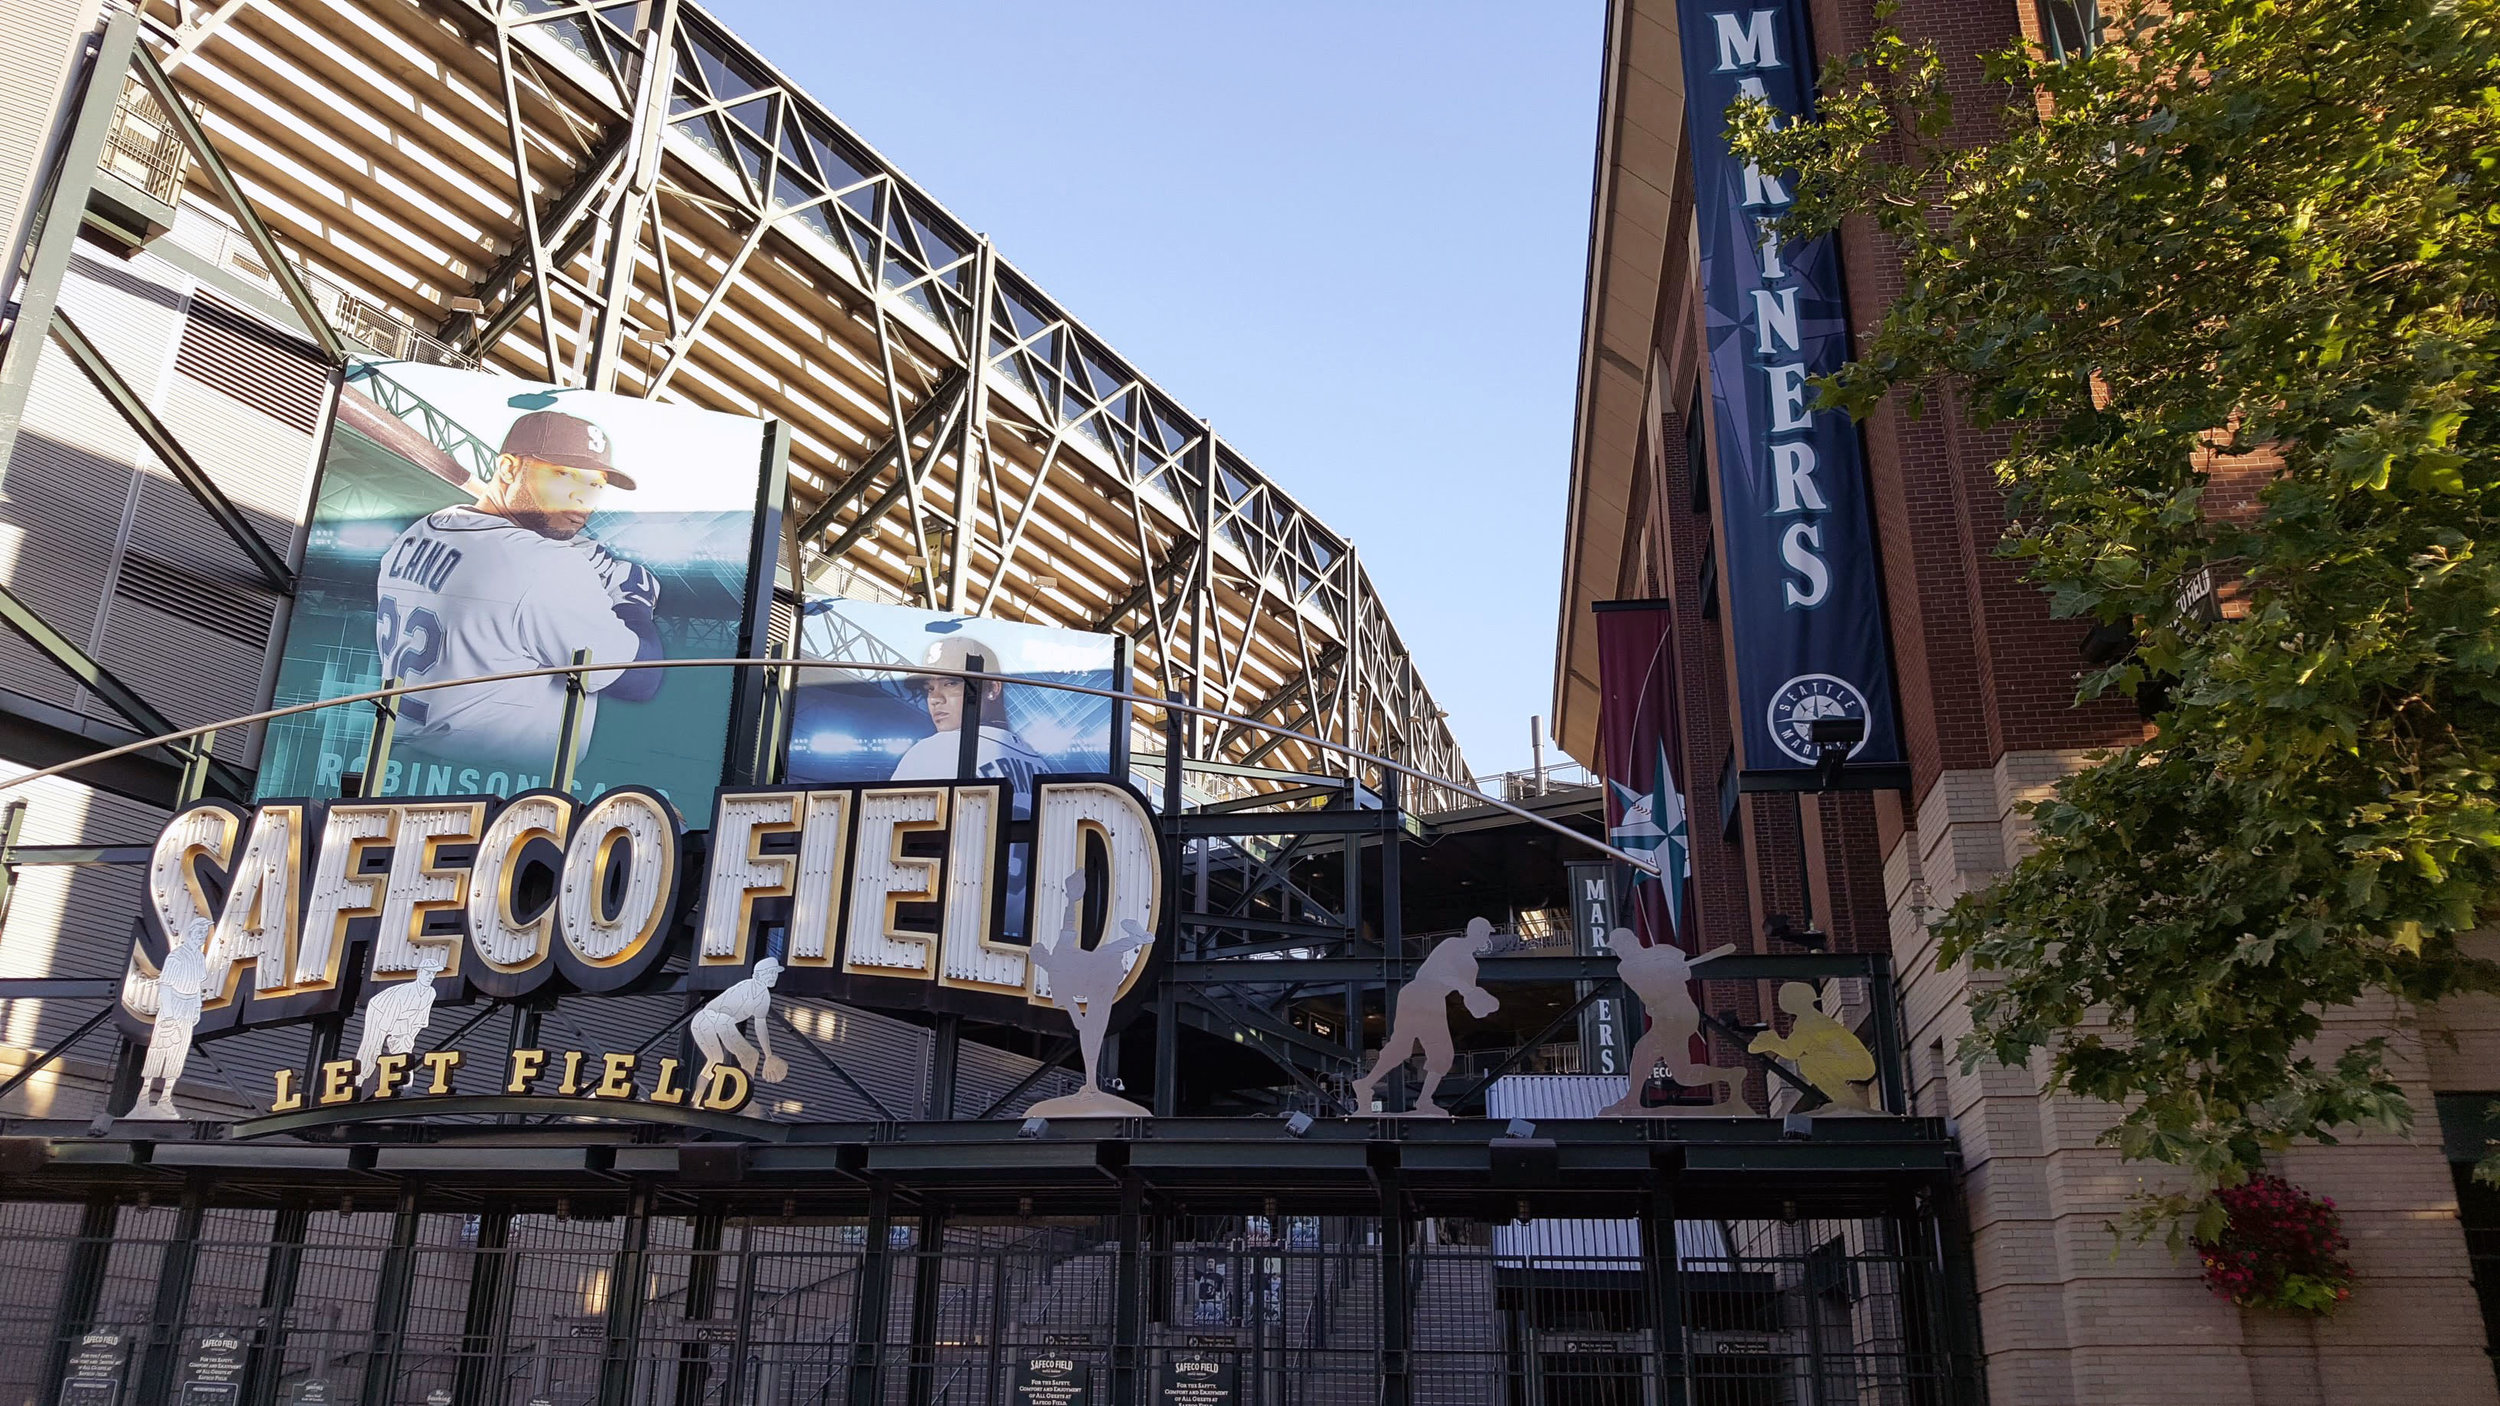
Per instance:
{"type": "Point", "coordinates": [2237, 233]}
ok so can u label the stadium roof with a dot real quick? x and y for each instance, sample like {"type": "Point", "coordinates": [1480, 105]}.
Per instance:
{"type": "Point", "coordinates": [693, 226]}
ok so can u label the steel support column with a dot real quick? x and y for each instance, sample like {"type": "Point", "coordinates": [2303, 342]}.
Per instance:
{"type": "Point", "coordinates": [1663, 1264]}
{"type": "Point", "coordinates": [870, 1296]}
{"type": "Point", "coordinates": [36, 286]}
{"type": "Point", "coordinates": [928, 1281]}
{"type": "Point", "coordinates": [390, 1302]}
{"type": "Point", "coordinates": [481, 1321]}
{"type": "Point", "coordinates": [1948, 1237]}
{"type": "Point", "coordinates": [1128, 1318]}
{"type": "Point", "coordinates": [627, 1293]}
{"type": "Point", "coordinates": [972, 454]}
{"type": "Point", "coordinates": [278, 1277]}
{"type": "Point", "coordinates": [1397, 1321]}
{"type": "Point", "coordinates": [82, 1285]}
{"type": "Point", "coordinates": [656, 68]}
{"type": "Point", "coordinates": [173, 1295]}
{"type": "Point", "coordinates": [1167, 1002]}
{"type": "Point", "coordinates": [694, 1358]}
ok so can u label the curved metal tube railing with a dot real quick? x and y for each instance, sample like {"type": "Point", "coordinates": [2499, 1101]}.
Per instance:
{"type": "Point", "coordinates": [1167, 705]}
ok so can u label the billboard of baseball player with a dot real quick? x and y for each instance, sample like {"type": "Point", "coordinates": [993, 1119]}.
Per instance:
{"type": "Point", "coordinates": [863, 725]}
{"type": "Point", "coordinates": [469, 525]}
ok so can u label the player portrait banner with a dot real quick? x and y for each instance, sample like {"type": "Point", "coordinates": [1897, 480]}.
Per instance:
{"type": "Point", "coordinates": [1640, 740]}
{"type": "Point", "coordinates": [862, 725]}
{"type": "Point", "coordinates": [1804, 603]}
{"type": "Point", "coordinates": [468, 524]}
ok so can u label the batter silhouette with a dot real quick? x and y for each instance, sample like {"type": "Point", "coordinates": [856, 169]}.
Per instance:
{"type": "Point", "coordinates": [1661, 975]}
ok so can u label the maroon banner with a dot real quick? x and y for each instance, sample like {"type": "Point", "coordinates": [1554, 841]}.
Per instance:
{"type": "Point", "coordinates": [1640, 734]}
{"type": "Point", "coordinates": [1640, 738]}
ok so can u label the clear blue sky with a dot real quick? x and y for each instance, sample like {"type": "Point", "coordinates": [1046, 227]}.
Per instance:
{"type": "Point", "coordinates": [1351, 234]}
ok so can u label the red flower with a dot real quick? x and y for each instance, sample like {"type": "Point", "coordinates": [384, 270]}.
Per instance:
{"type": "Point", "coordinates": [2279, 1248]}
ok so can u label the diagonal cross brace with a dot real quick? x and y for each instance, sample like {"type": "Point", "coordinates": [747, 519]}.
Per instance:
{"type": "Point", "coordinates": [240, 206]}
{"type": "Point", "coordinates": [123, 699]}
{"type": "Point", "coordinates": [169, 451]}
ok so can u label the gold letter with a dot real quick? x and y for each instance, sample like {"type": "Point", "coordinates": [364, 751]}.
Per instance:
{"type": "Point", "coordinates": [726, 1091]}
{"type": "Point", "coordinates": [289, 1098]}
{"type": "Point", "coordinates": [389, 1072]}
{"type": "Point", "coordinates": [441, 1063]}
{"type": "Point", "coordinates": [572, 1073]}
{"type": "Point", "coordinates": [616, 1077]}
{"type": "Point", "coordinates": [338, 1082]}
{"type": "Point", "coordinates": [525, 1067]}
{"type": "Point", "coordinates": [666, 1091]}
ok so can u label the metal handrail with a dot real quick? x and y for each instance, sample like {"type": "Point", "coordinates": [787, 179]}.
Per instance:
{"type": "Point", "coordinates": [1169, 705]}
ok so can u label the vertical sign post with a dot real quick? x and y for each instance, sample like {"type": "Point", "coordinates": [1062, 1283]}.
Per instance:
{"type": "Point", "coordinates": [1605, 1024]}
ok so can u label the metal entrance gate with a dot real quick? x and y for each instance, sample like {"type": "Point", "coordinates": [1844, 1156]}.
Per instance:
{"type": "Point", "coordinates": [408, 1297]}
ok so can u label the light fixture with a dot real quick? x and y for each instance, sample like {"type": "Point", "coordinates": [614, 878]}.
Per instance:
{"type": "Point", "coordinates": [1797, 1127]}
{"type": "Point", "coordinates": [1519, 1128]}
{"type": "Point", "coordinates": [1045, 583]}
{"type": "Point", "coordinates": [461, 302]}
{"type": "Point", "coordinates": [1297, 1124]}
{"type": "Point", "coordinates": [1034, 1127]}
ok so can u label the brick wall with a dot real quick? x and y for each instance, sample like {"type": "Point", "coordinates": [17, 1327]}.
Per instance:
{"type": "Point", "coordinates": [1987, 683]}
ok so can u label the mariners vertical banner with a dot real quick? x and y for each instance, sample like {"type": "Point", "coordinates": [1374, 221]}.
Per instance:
{"type": "Point", "coordinates": [1802, 594]}
{"type": "Point", "coordinates": [1605, 1022]}
{"type": "Point", "coordinates": [1638, 733]}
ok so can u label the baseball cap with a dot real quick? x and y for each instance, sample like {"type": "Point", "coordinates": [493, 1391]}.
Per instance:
{"type": "Point", "coordinates": [954, 653]}
{"type": "Point", "coordinates": [564, 439]}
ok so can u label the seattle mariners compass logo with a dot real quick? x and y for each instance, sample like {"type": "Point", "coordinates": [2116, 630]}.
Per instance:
{"type": "Point", "coordinates": [1805, 698]}
{"type": "Point", "coordinates": [1654, 826]}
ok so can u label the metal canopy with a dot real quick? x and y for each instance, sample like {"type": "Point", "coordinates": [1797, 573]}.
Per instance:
{"type": "Point", "coordinates": [626, 196]}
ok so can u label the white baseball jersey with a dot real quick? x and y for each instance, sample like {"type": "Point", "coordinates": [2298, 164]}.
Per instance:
{"type": "Point", "coordinates": [1004, 755]}
{"type": "Point", "coordinates": [464, 593]}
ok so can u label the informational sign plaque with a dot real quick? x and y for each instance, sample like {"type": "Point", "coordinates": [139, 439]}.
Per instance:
{"type": "Point", "coordinates": [213, 1361]}
{"type": "Point", "coordinates": [1053, 1379]}
{"type": "Point", "coordinates": [1197, 1379]}
{"type": "Point", "coordinates": [98, 1369]}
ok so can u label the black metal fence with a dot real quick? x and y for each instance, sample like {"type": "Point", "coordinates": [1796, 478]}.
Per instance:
{"type": "Point", "coordinates": [105, 1303]}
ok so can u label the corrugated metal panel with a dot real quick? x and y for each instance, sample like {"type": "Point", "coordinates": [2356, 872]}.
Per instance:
{"type": "Point", "coordinates": [1579, 1244]}
{"type": "Point", "coordinates": [66, 498]}
{"type": "Point", "coordinates": [69, 922]}
{"type": "Point", "coordinates": [983, 1072]}
{"type": "Point", "coordinates": [43, 37]}
{"type": "Point", "coordinates": [1552, 1095]}
{"type": "Point", "coordinates": [274, 372]}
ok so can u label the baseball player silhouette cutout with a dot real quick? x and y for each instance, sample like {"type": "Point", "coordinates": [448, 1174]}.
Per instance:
{"type": "Point", "coordinates": [1661, 975]}
{"type": "Point", "coordinates": [1085, 982]}
{"type": "Point", "coordinates": [396, 1017]}
{"type": "Point", "coordinates": [1423, 1017]}
{"type": "Point", "coordinates": [715, 1028]}
{"type": "Point", "coordinates": [1830, 1056]}
{"type": "Point", "coordinates": [181, 985]}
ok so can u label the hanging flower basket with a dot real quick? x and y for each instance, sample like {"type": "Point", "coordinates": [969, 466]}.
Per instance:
{"type": "Point", "coordinates": [2280, 1247]}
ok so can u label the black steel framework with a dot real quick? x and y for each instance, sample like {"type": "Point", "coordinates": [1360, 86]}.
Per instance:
{"type": "Point", "coordinates": [1378, 1261]}
{"type": "Point", "coordinates": [671, 217]}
